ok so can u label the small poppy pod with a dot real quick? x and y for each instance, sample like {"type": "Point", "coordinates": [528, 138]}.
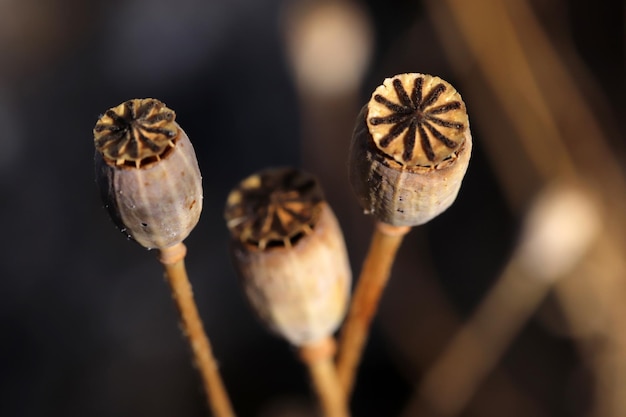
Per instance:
{"type": "Point", "coordinates": [147, 172]}
{"type": "Point", "coordinates": [410, 149]}
{"type": "Point", "coordinates": [289, 251]}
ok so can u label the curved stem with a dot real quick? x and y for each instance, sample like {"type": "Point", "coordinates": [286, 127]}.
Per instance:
{"type": "Point", "coordinates": [374, 276]}
{"type": "Point", "coordinates": [319, 360]}
{"type": "Point", "coordinates": [173, 260]}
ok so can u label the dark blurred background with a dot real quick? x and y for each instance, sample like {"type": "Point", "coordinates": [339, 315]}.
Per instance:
{"type": "Point", "coordinates": [88, 325]}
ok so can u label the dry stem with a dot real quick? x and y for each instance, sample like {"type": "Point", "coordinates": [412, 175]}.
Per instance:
{"type": "Point", "coordinates": [173, 260]}
{"type": "Point", "coordinates": [478, 347]}
{"type": "Point", "coordinates": [319, 360]}
{"type": "Point", "coordinates": [572, 135]}
{"type": "Point", "coordinates": [374, 276]}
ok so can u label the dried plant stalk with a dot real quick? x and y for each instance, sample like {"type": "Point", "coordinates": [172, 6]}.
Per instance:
{"type": "Point", "coordinates": [318, 358]}
{"type": "Point", "coordinates": [561, 140]}
{"type": "Point", "coordinates": [376, 271]}
{"type": "Point", "coordinates": [172, 259]}
{"type": "Point", "coordinates": [559, 230]}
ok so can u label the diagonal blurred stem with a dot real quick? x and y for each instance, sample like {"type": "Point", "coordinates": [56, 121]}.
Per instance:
{"type": "Point", "coordinates": [511, 79]}
{"type": "Point", "coordinates": [478, 346]}
{"type": "Point", "coordinates": [536, 89]}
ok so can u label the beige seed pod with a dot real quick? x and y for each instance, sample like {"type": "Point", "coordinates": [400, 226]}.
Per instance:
{"type": "Point", "coordinates": [410, 149]}
{"type": "Point", "coordinates": [147, 172]}
{"type": "Point", "coordinates": [289, 251]}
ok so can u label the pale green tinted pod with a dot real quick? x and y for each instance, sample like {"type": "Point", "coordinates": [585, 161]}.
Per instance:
{"type": "Point", "coordinates": [147, 172]}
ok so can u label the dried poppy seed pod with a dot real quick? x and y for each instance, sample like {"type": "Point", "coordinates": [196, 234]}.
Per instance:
{"type": "Point", "coordinates": [289, 251]}
{"type": "Point", "coordinates": [148, 173]}
{"type": "Point", "coordinates": [410, 149]}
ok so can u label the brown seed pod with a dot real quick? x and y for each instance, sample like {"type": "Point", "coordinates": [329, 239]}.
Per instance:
{"type": "Point", "coordinates": [289, 251]}
{"type": "Point", "coordinates": [147, 172]}
{"type": "Point", "coordinates": [410, 149]}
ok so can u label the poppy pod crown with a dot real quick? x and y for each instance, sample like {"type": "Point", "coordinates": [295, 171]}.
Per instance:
{"type": "Point", "coordinates": [410, 149]}
{"type": "Point", "coordinates": [147, 172]}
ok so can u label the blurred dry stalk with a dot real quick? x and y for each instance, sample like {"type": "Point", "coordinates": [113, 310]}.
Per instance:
{"type": "Point", "coordinates": [328, 44]}
{"type": "Point", "coordinates": [511, 57]}
{"type": "Point", "coordinates": [559, 229]}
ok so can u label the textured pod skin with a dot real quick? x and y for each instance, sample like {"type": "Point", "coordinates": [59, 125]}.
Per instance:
{"type": "Point", "coordinates": [300, 293]}
{"type": "Point", "coordinates": [407, 181]}
{"type": "Point", "coordinates": [289, 252]}
{"type": "Point", "coordinates": [157, 206]}
{"type": "Point", "coordinates": [155, 198]}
